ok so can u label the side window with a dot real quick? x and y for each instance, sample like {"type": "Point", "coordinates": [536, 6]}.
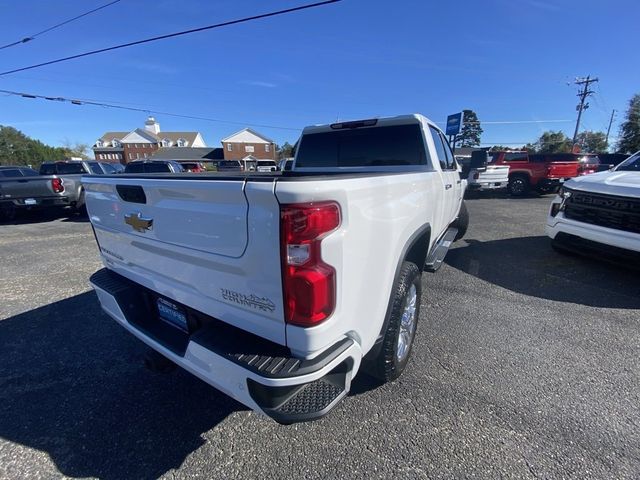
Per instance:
{"type": "Point", "coordinates": [451, 161]}
{"type": "Point", "coordinates": [516, 157]}
{"type": "Point", "coordinates": [440, 151]}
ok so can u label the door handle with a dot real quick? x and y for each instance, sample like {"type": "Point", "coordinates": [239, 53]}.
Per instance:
{"type": "Point", "coordinates": [447, 186]}
{"type": "Point", "coordinates": [459, 181]}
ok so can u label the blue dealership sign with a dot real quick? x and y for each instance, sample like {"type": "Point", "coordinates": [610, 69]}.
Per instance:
{"type": "Point", "coordinates": [454, 124]}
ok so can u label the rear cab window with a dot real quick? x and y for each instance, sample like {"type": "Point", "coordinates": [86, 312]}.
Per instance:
{"type": "Point", "coordinates": [70, 169]}
{"type": "Point", "coordinates": [156, 168]}
{"type": "Point", "coordinates": [134, 168]}
{"type": "Point", "coordinates": [379, 146]}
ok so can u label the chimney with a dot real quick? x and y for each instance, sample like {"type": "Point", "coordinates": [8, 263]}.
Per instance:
{"type": "Point", "coordinates": [152, 126]}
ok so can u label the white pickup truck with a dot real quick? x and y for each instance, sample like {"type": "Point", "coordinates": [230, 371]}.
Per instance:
{"type": "Point", "coordinates": [276, 288]}
{"type": "Point", "coordinates": [599, 214]}
{"type": "Point", "coordinates": [481, 174]}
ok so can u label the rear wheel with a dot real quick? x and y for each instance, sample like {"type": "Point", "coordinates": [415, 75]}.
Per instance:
{"type": "Point", "coordinates": [403, 322]}
{"type": "Point", "coordinates": [518, 185]}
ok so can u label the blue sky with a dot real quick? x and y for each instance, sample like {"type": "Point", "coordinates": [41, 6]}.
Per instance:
{"type": "Point", "coordinates": [507, 60]}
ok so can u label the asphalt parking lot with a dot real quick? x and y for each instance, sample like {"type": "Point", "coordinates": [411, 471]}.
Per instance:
{"type": "Point", "coordinates": [526, 366]}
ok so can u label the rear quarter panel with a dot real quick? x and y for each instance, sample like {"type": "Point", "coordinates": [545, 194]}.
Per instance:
{"type": "Point", "coordinates": [379, 214]}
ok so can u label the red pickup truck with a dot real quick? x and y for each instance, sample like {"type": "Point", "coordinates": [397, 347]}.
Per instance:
{"type": "Point", "coordinates": [539, 172]}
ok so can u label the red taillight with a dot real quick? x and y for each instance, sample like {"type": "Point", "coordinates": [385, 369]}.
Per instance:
{"type": "Point", "coordinates": [57, 185]}
{"type": "Point", "coordinates": [309, 283]}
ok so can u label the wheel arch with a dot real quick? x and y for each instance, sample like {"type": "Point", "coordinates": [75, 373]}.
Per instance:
{"type": "Point", "coordinates": [415, 250]}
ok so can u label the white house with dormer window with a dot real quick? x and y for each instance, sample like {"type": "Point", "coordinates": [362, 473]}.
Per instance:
{"type": "Point", "coordinates": [142, 143]}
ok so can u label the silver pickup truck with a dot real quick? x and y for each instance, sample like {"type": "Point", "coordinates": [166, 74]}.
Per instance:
{"type": "Point", "coordinates": [24, 189]}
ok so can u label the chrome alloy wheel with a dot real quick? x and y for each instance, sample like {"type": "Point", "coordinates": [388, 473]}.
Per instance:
{"type": "Point", "coordinates": [407, 324]}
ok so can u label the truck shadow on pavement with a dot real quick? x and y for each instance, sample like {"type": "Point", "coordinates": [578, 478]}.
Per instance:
{"type": "Point", "coordinates": [72, 384]}
{"type": "Point", "coordinates": [24, 218]}
{"type": "Point", "coordinates": [529, 265]}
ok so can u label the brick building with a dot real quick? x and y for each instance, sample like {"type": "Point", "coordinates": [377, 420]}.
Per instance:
{"type": "Point", "coordinates": [141, 143]}
{"type": "Point", "coordinates": [248, 143]}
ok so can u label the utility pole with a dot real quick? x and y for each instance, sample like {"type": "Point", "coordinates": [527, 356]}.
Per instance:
{"type": "Point", "coordinates": [613, 113]}
{"type": "Point", "coordinates": [582, 95]}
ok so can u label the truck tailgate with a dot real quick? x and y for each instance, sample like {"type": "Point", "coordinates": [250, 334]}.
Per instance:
{"type": "Point", "coordinates": [495, 173]}
{"type": "Point", "coordinates": [562, 169]}
{"type": "Point", "coordinates": [188, 239]}
{"type": "Point", "coordinates": [25, 187]}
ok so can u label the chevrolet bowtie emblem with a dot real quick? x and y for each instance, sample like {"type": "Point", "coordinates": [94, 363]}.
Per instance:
{"type": "Point", "coordinates": [139, 223]}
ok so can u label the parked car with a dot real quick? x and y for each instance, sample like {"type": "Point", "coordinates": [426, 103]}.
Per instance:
{"type": "Point", "coordinates": [193, 167]}
{"type": "Point", "coordinates": [153, 166]}
{"type": "Point", "coordinates": [264, 286]}
{"type": "Point", "coordinates": [266, 166]}
{"type": "Point", "coordinates": [229, 166]}
{"type": "Point", "coordinates": [17, 171]}
{"type": "Point", "coordinates": [534, 171]}
{"type": "Point", "coordinates": [599, 214]}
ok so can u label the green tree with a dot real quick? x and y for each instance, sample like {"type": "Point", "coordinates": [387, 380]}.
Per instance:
{"type": "Point", "coordinates": [630, 129]}
{"type": "Point", "coordinates": [285, 151]}
{"type": "Point", "coordinates": [553, 142]}
{"type": "Point", "coordinates": [471, 130]}
{"type": "Point", "coordinates": [16, 148]}
{"type": "Point", "coordinates": [592, 142]}
{"type": "Point", "coordinates": [75, 149]}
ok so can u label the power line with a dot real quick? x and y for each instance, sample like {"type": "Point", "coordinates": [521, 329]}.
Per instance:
{"type": "Point", "coordinates": [510, 122]}
{"type": "Point", "coordinates": [122, 106]}
{"type": "Point", "coordinates": [148, 111]}
{"type": "Point", "coordinates": [32, 37]}
{"type": "Point", "coordinates": [176, 34]}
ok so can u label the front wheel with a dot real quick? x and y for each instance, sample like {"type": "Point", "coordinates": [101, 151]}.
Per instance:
{"type": "Point", "coordinates": [403, 322]}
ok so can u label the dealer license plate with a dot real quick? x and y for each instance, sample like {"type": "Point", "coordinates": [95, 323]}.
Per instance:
{"type": "Point", "coordinates": [172, 314]}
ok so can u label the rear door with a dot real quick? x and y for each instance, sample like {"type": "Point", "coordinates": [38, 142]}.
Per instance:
{"type": "Point", "coordinates": [188, 239]}
{"type": "Point", "coordinates": [450, 177]}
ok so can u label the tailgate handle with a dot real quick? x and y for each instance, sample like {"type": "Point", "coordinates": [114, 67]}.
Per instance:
{"type": "Point", "coordinates": [131, 193]}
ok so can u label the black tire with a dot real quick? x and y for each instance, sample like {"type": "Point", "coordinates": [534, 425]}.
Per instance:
{"type": "Point", "coordinates": [389, 364]}
{"type": "Point", "coordinates": [7, 211]}
{"type": "Point", "coordinates": [519, 185]}
{"type": "Point", "coordinates": [462, 222]}
{"type": "Point", "coordinates": [81, 206]}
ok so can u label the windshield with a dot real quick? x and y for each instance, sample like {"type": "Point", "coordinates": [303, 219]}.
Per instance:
{"type": "Point", "coordinates": [266, 163]}
{"type": "Point", "coordinates": [631, 164]}
{"type": "Point", "coordinates": [363, 147]}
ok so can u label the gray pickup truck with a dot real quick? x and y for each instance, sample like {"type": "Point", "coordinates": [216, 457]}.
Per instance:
{"type": "Point", "coordinates": [58, 185]}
